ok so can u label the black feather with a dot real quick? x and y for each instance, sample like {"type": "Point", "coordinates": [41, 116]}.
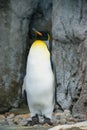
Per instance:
{"type": "Point", "coordinates": [25, 97]}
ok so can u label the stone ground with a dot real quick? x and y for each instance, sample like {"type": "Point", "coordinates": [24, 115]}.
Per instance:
{"type": "Point", "coordinates": [17, 119]}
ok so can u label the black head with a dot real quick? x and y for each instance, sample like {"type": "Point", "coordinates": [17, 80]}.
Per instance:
{"type": "Point", "coordinates": [42, 35]}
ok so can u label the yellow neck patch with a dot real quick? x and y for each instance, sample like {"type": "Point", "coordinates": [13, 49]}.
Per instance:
{"type": "Point", "coordinates": [39, 43]}
{"type": "Point", "coordinates": [42, 46]}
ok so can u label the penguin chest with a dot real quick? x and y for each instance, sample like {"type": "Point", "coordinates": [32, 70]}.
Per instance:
{"type": "Point", "coordinates": [39, 72]}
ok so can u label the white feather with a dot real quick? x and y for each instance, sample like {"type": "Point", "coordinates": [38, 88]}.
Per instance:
{"type": "Point", "coordinates": [40, 82]}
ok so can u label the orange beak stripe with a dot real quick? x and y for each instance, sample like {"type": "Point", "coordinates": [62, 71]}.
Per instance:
{"type": "Point", "coordinates": [39, 33]}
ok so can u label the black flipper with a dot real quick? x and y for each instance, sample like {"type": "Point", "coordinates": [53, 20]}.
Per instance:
{"type": "Point", "coordinates": [24, 93]}
{"type": "Point", "coordinates": [24, 97]}
{"type": "Point", "coordinates": [54, 71]}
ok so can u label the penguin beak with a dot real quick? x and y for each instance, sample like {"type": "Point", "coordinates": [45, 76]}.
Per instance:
{"type": "Point", "coordinates": [37, 32]}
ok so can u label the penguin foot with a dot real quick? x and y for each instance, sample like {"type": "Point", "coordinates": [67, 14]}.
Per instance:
{"type": "Point", "coordinates": [47, 120]}
{"type": "Point", "coordinates": [35, 120]}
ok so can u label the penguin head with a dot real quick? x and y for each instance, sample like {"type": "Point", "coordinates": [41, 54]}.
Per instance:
{"type": "Point", "coordinates": [44, 36]}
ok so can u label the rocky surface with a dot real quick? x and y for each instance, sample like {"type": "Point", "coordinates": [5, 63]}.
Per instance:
{"type": "Point", "coordinates": [68, 22]}
{"type": "Point", "coordinates": [23, 128]}
{"type": "Point", "coordinates": [59, 118]}
{"type": "Point", "coordinates": [69, 49]}
{"type": "Point", "coordinates": [77, 126]}
{"type": "Point", "coordinates": [16, 20]}
{"type": "Point", "coordinates": [15, 121]}
{"type": "Point", "coordinates": [14, 28]}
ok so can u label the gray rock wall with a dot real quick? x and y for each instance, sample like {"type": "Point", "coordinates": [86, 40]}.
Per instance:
{"type": "Point", "coordinates": [14, 20]}
{"type": "Point", "coordinates": [69, 25]}
{"type": "Point", "coordinates": [68, 22]}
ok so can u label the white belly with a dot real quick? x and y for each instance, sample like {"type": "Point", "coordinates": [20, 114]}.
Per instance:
{"type": "Point", "coordinates": [39, 72]}
{"type": "Point", "coordinates": [39, 80]}
{"type": "Point", "coordinates": [39, 76]}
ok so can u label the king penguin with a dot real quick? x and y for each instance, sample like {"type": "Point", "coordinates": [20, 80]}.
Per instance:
{"type": "Point", "coordinates": [39, 82]}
